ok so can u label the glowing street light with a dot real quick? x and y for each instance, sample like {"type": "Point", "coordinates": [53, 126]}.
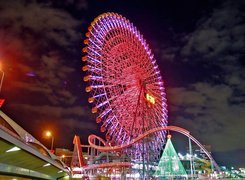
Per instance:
{"type": "Point", "coordinates": [49, 134]}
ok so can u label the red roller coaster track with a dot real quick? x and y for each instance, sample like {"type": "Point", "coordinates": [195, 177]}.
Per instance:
{"type": "Point", "coordinates": [109, 165]}
{"type": "Point", "coordinates": [92, 138]}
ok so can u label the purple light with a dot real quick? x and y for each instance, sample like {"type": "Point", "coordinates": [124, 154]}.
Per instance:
{"type": "Point", "coordinates": [31, 74]}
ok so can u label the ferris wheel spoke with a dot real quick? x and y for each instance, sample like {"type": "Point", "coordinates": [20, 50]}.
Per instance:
{"type": "Point", "coordinates": [103, 114]}
{"type": "Point", "coordinates": [98, 32]}
{"type": "Point", "coordinates": [96, 39]}
{"type": "Point", "coordinates": [106, 101]}
{"type": "Point", "coordinates": [93, 59]}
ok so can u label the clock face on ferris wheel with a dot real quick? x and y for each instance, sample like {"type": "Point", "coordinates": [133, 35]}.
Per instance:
{"type": "Point", "coordinates": [125, 85]}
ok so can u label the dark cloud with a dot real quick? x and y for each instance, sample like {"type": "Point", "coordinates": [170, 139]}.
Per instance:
{"type": "Point", "coordinates": [213, 107]}
{"type": "Point", "coordinates": [22, 23]}
{"type": "Point", "coordinates": [36, 19]}
{"type": "Point", "coordinates": [54, 111]}
{"type": "Point", "coordinates": [61, 114]}
{"type": "Point", "coordinates": [209, 114]}
{"type": "Point", "coordinates": [222, 33]}
{"type": "Point", "coordinates": [36, 38]}
{"type": "Point", "coordinates": [75, 4]}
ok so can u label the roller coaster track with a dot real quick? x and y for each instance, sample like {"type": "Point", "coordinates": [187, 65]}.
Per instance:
{"type": "Point", "coordinates": [108, 165]}
{"type": "Point", "coordinates": [92, 138]}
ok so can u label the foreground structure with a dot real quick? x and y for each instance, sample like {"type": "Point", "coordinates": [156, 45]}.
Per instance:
{"type": "Point", "coordinates": [21, 155]}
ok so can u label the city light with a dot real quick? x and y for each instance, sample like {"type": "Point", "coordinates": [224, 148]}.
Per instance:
{"type": "Point", "coordinates": [181, 156]}
{"type": "Point", "coordinates": [49, 134]}
{"type": "Point", "coordinates": [13, 149]}
{"type": "Point", "coordinates": [45, 165]}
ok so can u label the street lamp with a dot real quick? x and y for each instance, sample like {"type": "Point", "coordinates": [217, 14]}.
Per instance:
{"type": "Point", "coordinates": [49, 134]}
{"type": "Point", "coordinates": [1, 82]}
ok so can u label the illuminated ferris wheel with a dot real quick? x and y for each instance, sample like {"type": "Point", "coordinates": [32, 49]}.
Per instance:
{"type": "Point", "coordinates": [125, 85]}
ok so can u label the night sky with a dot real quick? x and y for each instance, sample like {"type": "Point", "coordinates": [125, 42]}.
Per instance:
{"type": "Point", "coordinates": [199, 46]}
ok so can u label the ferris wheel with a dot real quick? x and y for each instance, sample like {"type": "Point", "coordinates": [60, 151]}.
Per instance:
{"type": "Point", "coordinates": [125, 85]}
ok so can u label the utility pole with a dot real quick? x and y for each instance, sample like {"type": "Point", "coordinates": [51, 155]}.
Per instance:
{"type": "Point", "coordinates": [1, 82]}
{"type": "Point", "coordinates": [191, 162]}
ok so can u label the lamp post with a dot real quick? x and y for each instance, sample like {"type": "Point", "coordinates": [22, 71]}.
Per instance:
{"type": "Point", "coordinates": [1, 82]}
{"type": "Point", "coordinates": [49, 134]}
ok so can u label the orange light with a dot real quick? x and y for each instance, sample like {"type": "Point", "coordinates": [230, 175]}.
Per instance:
{"type": "Point", "coordinates": [98, 119]}
{"type": "Point", "coordinates": [85, 49]}
{"type": "Point", "coordinates": [94, 110]}
{"type": "Point", "coordinates": [88, 88]}
{"type": "Point", "coordinates": [150, 98]}
{"type": "Point", "coordinates": [63, 156]}
{"type": "Point", "coordinates": [85, 68]}
{"type": "Point", "coordinates": [84, 58]}
{"type": "Point", "coordinates": [102, 128]}
{"type": "Point", "coordinates": [91, 100]}
{"type": "Point", "coordinates": [90, 28]}
{"type": "Point", "coordinates": [87, 34]}
{"type": "Point", "coordinates": [48, 134]}
{"type": "Point", "coordinates": [86, 78]}
{"type": "Point", "coordinates": [85, 41]}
